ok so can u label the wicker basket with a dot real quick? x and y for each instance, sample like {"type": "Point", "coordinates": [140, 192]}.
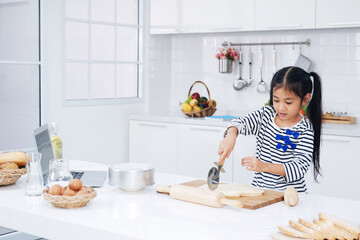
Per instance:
{"type": "Point", "coordinates": [209, 111]}
{"type": "Point", "coordinates": [10, 176]}
{"type": "Point", "coordinates": [76, 201]}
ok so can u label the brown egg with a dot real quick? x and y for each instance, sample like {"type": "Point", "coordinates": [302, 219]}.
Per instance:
{"type": "Point", "coordinates": [69, 192]}
{"type": "Point", "coordinates": [82, 191]}
{"type": "Point", "coordinates": [75, 184]}
{"type": "Point", "coordinates": [55, 189]}
{"type": "Point", "coordinates": [63, 189]}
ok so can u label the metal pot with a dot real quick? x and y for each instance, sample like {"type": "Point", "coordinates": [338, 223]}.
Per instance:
{"type": "Point", "coordinates": [131, 176]}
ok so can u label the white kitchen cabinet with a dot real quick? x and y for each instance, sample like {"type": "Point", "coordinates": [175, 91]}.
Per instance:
{"type": "Point", "coordinates": [188, 16]}
{"type": "Point", "coordinates": [198, 150]}
{"type": "Point", "coordinates": [227, 15]}
{"type": "Point", "coordinates": [154, 143]}
{"type": "Point", "coordinates": [164, 16]}
{"type": "Point", "coordinates": [340, 164]}
{"type": "Point", "coordinates": [284, 14]}
{"type": "Point", "coordinates": [337, 14]}
{"type": "Point", "coordinates": [245, 146]}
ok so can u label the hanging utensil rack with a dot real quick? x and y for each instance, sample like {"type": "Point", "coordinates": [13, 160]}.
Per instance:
{"type": "Point", "coordinates": [230, 44]}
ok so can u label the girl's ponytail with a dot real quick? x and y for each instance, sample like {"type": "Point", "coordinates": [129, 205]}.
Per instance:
{"type": "Point", "coordinates": [315, 116]}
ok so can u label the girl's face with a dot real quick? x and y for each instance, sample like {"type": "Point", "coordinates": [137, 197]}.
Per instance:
{"type": "Point", "coordinates": [287, 105]}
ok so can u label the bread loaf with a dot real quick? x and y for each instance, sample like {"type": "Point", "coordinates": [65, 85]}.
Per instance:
{"type": "Point", "coordinates": [9, 165]}
{"type": "Point", "coordinates": [16, 157]}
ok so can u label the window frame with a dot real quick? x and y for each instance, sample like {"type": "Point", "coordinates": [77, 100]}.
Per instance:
{"type": "Point", "coordinates": [139, 63]}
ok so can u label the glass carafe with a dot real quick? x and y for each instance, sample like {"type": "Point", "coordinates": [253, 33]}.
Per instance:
{"type": "Point", "coordinates": [59, 172]}
{"type": "Point", "coordinates": [34, 181]}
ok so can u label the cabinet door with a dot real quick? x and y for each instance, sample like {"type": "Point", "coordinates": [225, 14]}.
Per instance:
{"type": "Point", "coordinates": [153, 143]}
{"type": "Point", "coordinates": [334, 13]}
{"type": "Point", "coordinates": [198, 150]}
{"type": "Point", "coordinates": [340, 166]}
{"type": "Point", "coordinates": [227, 15]}
{"type": "Point", "coordinates": [284, 14]}
{"type": "Point", "coordinates": [164, 16]}
{"type": "Point", "coordinates": [245, 146]}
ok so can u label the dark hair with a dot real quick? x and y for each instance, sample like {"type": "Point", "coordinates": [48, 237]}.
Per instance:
{"type": "Point", "coordinates": [299, 82]}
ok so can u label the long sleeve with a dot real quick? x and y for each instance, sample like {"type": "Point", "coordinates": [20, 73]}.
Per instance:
{"type": "Point", "coordinates": [249, 124]}
{"type": "Point", "coordinates": [296, 169]}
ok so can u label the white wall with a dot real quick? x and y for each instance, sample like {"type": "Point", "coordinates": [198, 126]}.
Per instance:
{"type": "Point", "coordinates": [91, 133]}
{"type": "Point", "coordinates": [190, 57]}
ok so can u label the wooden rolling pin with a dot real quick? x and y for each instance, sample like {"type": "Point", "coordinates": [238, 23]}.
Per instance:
{"type": "Point", "coordinates": [199, 196]}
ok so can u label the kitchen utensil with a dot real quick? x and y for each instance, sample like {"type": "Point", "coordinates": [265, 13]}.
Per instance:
{"type": "Point", "coordinates": [255, 202]}
{"type": "Point", "coordinates": [239, 83]}
{"type": "Point", "coordinates": [250, 80]}
{"type": "Point", "coordinates": [274, 61]}
{"type": "Point", "coordinates": [261, 87]}
{"type": "Point", "coordinates": [131, 176]}
{"type": "Point", "coordinates": [214, 176]}
{"type": "Point", "coordinates": [303, 62]}
{"type": "Point", "coordinates": [199, 196]}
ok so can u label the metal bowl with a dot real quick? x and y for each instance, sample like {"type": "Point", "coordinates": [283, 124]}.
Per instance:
{"type": "Point", "coordinates": [131, 176]}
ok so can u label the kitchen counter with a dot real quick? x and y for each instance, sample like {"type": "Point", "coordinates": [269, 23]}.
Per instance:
{"type": "Point", "coordinates": [116, 214]}
{"type": "Point", "coordinates": [350, 130]}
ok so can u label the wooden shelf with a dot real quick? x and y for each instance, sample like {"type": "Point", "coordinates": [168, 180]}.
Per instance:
{"type": "Point", "coordinates": [341, 120]}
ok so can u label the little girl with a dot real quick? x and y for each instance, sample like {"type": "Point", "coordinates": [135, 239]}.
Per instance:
{"type": "Point", "coordinates": [286, 142]}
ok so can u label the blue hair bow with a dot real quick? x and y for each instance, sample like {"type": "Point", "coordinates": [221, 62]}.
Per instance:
{"type": "Point", "coordinates": [294, 134]}
{"type": "Point", "coordinates": [285, 138]}
{"type": "Point", "coordinates": [284, 147]}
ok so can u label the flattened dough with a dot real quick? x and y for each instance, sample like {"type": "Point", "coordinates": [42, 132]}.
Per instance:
{"type": "Point", "coordinates": [236, 190]}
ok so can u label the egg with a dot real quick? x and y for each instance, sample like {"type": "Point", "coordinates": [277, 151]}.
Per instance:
{"type": "Point", "coordinates": [75, 184]}
{"type": "Point", "coordinates": [55, 189]}
{"type": "Point", "coordinates": [82, 191]}
{"type": "Point", "coordinates": [69, 192]}
{"type": "Point", "coordinates": [63, 189]}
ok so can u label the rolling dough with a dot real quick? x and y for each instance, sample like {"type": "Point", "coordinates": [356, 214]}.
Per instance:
{"type": "Point", "coordinates": [236, 190]}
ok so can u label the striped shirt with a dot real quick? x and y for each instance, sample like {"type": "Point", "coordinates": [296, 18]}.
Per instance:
{"type": "Point", "coordinates": [292, 147]}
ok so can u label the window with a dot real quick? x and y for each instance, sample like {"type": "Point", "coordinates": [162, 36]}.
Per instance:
{"type": "Point", "coordinates": [103, 56]}
{"type": "Point", "coordinates": [20, 70]}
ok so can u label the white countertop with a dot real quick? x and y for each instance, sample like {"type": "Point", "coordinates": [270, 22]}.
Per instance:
{"type": "Point", "coordinates": [116, 214]}
{"type": "Point", "coordinates": [351, 130]}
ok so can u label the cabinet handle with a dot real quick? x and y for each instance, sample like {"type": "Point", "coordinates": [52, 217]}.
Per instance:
{"type": "Point", "coordinates": [336, 139]}
{"type": "Point", "coordinates": [285, 26]}
{"type": "Point", "coordinates": [344, 23]}
{"type": "Point", "coordinates": [168, 30]}
{"type": "Point", "coordinates": [182, 29]}
{"type": "Point", "coordinates": [152, 125]}
{"type": "Point", "coordinates": [204, 129]}
{"type": "Point", "coordinates": [226, 29]}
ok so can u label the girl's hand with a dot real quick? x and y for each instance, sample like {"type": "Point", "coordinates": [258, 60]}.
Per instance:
{"type": "Point", "coordinates": [253, 164]}
{"type": "Point", "coordinates": [226, 145]}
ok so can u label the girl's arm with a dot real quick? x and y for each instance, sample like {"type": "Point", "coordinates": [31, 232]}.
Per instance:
{"type": "Point", "coordinates": [227, 144]}
{"type": "Point", "coordinates": [254, 164]}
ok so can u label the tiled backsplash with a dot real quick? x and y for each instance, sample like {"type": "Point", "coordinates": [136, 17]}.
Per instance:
{"type": "Point", "coordinates": [176, 61]}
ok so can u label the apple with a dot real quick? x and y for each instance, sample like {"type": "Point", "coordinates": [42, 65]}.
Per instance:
{"type": "Point", "coordinates": [195, 95]}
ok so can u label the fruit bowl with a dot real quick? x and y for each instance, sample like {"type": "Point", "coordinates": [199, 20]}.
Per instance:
{"type": "Point", "coordinates": [196, 106]}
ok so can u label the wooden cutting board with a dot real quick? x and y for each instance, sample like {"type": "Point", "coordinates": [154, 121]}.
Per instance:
{"type": "Point", "coordinates": [269, 197]}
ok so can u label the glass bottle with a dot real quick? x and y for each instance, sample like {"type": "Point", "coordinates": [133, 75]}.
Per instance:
{"type": "Point", "coordinates": [34, 181]}
{"type": "Point", "coordinates": [56, 141]}
{"type": "Point", "coordinates": [59, 172]}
